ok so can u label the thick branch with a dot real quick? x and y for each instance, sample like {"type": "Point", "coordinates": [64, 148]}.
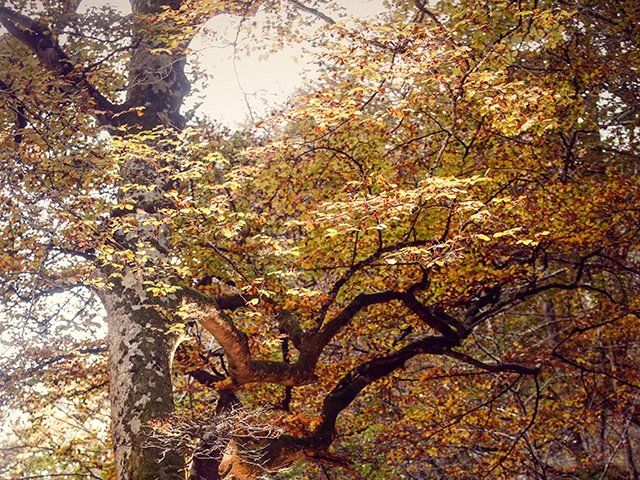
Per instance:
{"type": "Point", "coordinates": [205, 377]}
{"type": "Point", "coordinates": [435, 318]}
{"type": "Point", "coordinates": [39, 39]}
{"type": "Point", "coordinates": [286, 320]}
{"type": "Point", "coordinates": [313, 11]}
{"type": "Point", "coordinates": [233, 341]}
{"type": "Point", "coordinates": [284, 450]}
{"type": "Point", "coordinates": [359, 378]}
{"type": "Point", "coordinates": [246, 370]}
{"type": "Point", "coordinates": [242, 367]}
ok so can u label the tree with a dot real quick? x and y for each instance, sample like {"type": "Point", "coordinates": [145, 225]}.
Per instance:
{"type": "Point", "coordinates": [453, 205]}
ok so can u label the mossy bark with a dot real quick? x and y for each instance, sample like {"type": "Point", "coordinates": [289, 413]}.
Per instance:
{"type": "Point", "coordinates": [140, 386]}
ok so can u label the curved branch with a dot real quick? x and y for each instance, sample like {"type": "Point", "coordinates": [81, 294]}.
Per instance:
{"type": "Point", "coordinates": [422, 7]}
{"type": "Point", "coordinates": [360, 377]}
{"type": "Point", "coordinates": [435, 318]}
{"type": "Point", "coordinates": [360, 302]}
{"type": "Point", "coordinates": [38, 38]}
{"type": "Point", "coordinates": [233, 341]}
{"type": "Point", "coordinates": [244, 369]}
{"type": "Point", "coordinates": [354, 382]}
{"type": "Point", "coordinates": [335, 290]}
{"type": "Point", "coordinates": [495, 300]}
{"type": "Point", "coordinates": [313, 11]}
{"type": "Point", "coordinates": [286, 320]}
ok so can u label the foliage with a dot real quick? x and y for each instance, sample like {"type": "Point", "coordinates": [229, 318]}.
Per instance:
{"type": "Point", "coordinates": [425, 266]}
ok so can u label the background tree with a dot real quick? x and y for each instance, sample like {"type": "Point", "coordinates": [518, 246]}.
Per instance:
{"type": "Point", "coordinates": [425, 266]}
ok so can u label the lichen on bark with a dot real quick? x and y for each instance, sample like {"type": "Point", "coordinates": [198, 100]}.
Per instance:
{"type": "Point", "coordinates": [140, 385]}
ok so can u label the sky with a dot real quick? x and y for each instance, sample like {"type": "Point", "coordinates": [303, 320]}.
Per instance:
{"type": "Point", "coordinates": [235, 80]}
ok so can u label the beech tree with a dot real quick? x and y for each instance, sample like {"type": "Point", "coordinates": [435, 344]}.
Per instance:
{"type": "Point", "coordinates": [424, 266]}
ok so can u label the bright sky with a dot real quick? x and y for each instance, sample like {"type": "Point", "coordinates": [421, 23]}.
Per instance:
{"type": "Point", "coordinates": [265, 82]}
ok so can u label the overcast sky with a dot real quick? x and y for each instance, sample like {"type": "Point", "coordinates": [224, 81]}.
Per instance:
{"type": "Point", "coordinates": [263, 82]}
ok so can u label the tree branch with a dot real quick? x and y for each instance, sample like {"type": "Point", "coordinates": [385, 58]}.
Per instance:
{"type": "Point", "coordinates": [313, 11]}
{"type": "Point", "coordinates": [244, 369]}
{"type": "Point", "coordinates": [21, 120]}
{"type": "Point", "coordinates": [286, 320]}
{"type": "Point", "coordinates": [435, 318]}
{"type": "Point", "coordinates": [335, 290]}
{"type": "Point", "coordinates": [40, 40]}
{"type": "Point", "coordinates": [360, 377]}
{"type": "Point", "coordinates": [494, 367]}
{"type": "Point", "coordinates": [420, 5]}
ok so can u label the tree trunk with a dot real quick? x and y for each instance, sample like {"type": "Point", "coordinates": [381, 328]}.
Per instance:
{"type": "Point", "coordinates": [208, 468]}
{"type": "Point", "coordinates": [140, 385]}
{"type": "Point", "coordinates": [139, 347]}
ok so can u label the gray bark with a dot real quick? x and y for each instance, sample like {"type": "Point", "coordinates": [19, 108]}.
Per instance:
{"type": "Point", "coordinates": [140, 385]}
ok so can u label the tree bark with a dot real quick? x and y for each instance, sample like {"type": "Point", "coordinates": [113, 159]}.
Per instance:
{"type": "Point", "coordinates": [140, 385]}
{"type": "Point", "coordinates": [209, 468]}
